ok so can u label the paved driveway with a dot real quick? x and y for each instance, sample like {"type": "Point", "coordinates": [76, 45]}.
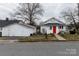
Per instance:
{"type": "Point", "coordinates": [39, 49]}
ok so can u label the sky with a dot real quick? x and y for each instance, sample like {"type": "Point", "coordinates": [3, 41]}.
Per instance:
{"type": "Point", "coordinates": [50, 9]}
{"type": "Point", "coordinates": [55, 9]}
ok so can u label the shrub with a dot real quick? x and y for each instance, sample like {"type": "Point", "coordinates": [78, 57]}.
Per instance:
{"type": "Point", "coordinates": [72, 32]}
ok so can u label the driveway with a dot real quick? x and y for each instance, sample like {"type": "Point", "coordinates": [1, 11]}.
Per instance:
{"type": "Point", "coordinates": [39, 49]}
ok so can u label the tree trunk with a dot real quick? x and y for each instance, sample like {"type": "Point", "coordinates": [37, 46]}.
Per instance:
{"type": "Point", "coordinates": [30, 19]}
{"type": "Point", "coordinates": [75, 25]}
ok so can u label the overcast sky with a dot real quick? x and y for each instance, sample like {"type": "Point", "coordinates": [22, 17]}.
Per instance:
{"type": "Point", "coordinates": [51, 9]}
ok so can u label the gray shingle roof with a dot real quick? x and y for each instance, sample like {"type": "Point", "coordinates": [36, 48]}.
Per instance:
{"type": "Point", "coordinates": [52, 22]}
{"type": "Point", "coordinates": [4, 23]}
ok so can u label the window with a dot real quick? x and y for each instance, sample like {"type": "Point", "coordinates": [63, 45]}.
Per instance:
{"type": "Point", "coordinates": [0, 29]}
{"type": "Point", "coordinates": [60, 27]}
{"type": "Point", "coordinates": [50, 27]}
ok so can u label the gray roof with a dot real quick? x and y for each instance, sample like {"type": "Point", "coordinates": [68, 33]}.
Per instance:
{"type": "Point", "coordinates": [51, 23]}
{"type": "Point", "coordinates": [27, 25]}
{"type": "Point", "coordinates": [4, 23]}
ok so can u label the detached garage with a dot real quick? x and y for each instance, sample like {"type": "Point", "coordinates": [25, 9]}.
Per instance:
{"type": "Point", "coordinates": [15, 28]}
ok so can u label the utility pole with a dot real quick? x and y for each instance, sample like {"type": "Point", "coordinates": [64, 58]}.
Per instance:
{"type": "Point", "coordinates": [78, 13]}
{"type": "Point", "coordinates": [78, 10]}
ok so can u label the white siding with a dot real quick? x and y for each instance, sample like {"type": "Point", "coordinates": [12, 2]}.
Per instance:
{"type": "Point", "coordinates": [17, 30]}
{"type": "Point", "coordinates": [57, 29]}
{"type": "Point", "coordinates": [47, 28]}
{"type": "Point", "coordinates": [0, 29]}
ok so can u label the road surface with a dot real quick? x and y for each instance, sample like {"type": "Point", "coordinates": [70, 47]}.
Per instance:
{"type": "Point", "coordinates": [40, 49]}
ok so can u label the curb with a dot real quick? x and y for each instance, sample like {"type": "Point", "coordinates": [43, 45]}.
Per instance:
{"type": "Point", "coordinates": [10, 41]}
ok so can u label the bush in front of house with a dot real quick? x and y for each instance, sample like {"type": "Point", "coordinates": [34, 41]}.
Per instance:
{"type": "Point", "coordinates": [72, 32]}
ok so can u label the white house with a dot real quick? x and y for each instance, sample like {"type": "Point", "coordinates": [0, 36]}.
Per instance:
{"type": "Point", "coordinates": [52, 25]}
{"type": "Point", "coordinates": [15, 28]}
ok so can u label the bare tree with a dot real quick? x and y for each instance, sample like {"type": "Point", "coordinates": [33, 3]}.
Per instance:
{"type": "Point", "coordinates": [29, 11]}
{"type": "Point", "coordinates": [71, 15]}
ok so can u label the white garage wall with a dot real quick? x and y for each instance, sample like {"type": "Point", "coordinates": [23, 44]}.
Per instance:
{"type": "Point", "coordinates": [17, 30]}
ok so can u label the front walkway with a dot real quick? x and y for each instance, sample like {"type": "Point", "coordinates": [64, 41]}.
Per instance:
{"type": "Point", "coordinates": [59, 37]}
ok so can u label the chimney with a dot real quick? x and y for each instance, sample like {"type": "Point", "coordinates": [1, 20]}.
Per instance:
{"type": "Point", "coordinates": [7, 19]}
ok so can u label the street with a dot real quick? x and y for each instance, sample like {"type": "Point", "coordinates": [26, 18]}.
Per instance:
{"type": "Point", "coordinates": [40, 49]}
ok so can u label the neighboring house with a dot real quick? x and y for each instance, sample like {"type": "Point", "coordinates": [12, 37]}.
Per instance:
{"type": "Point", "coordinates": [53, 25]}
{"type": "Point", "coordinates": [15, 28]}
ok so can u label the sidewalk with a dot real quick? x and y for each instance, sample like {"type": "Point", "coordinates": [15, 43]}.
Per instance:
{"type": "Point", "coordinates": [8, 41]}
{"type": "Point", "coordinates": [59, 37]}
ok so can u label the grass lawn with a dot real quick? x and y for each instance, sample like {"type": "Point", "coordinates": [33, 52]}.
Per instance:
{"type": "Point", "coordinates": [38, 38]}
{"type": "Point", "coordinates": [70, 36]}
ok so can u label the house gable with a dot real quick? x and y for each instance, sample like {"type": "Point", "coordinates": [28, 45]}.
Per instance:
{"type": "Point", "coordinates": [53, 21]}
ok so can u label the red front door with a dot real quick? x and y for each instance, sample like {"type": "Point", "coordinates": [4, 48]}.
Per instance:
{"type": "Point", "coordinates": [54, 29]}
